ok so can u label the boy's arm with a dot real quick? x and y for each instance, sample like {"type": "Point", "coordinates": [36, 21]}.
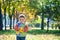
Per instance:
{"type": "Point", "coordinates": [16, 28]}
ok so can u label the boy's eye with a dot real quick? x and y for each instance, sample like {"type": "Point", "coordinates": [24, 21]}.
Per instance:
{"type": "Point", "coordinates": [22, 19]}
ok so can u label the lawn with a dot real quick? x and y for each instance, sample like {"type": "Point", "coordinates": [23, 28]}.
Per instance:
{"type": "Point", "coordinates": [32, 35]}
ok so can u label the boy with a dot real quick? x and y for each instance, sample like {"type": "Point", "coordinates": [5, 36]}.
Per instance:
{"type": "Point", "coordinates": [20, 28]}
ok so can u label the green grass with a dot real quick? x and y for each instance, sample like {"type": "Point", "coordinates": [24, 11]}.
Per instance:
{"type": "Point", "coordinates": [39, 32]}
{"type": "Point", "coordinates": [6, 32]}
{"type": "Point", "coordinates": [57, 32]}
{"type": "Point", "coordinates": [44, 32]}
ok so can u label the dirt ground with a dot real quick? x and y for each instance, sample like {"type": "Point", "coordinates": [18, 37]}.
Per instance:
{"type": "Point", "coordinates": [31, 37]}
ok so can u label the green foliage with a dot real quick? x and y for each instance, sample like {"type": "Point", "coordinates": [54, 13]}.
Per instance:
{"type": "Point", "coordinates": [56, 9]}
{"type": "Point", "coordinates": [50, 8]}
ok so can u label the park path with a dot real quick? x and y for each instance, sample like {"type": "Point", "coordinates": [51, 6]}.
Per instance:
{"type": "Point", "coordinates": [31, 37]}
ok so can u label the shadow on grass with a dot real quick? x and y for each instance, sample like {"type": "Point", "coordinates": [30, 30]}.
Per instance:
{"type": "Point", "coordinates": [34, 32]}
{"type": "Point", "coordinates": [6, 32]}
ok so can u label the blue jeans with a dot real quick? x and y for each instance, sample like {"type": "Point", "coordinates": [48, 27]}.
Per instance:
{"type": "Point", "coordinates": [20, 38]}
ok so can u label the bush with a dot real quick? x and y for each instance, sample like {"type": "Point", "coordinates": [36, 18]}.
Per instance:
{"type": "Point", "coordinates": [57, 25]}
{"type": "Point", "coordinates": [37, 25]}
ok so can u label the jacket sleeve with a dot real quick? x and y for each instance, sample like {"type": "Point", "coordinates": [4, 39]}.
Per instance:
{"type": "Point", "coordinates": [16, 28]}
{"type": "Point", "coordinates": [26, 28]}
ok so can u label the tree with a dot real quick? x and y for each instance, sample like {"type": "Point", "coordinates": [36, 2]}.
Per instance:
{"type": "Point", "coordinates": [10, 16]}
{"type": "Point", "coordinates": [52, 8]}
{"type": "Point", "coordinates": [42, 23]}
{"type": "Point", "coordinates": [11, 10]}
{"type": "Point", "coordinates": [4, 7]}
{"type": "Point", "coordinates": [39, 6]}
{"type": "Point", "coordinates": [13, 15]}
{"type": "Point", "coordinates": [1, 23]}
{"type": "Point", "coordinates": [48, 12]}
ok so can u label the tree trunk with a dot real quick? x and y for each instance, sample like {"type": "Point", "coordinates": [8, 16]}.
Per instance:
{"type": "Point", "coordinates": [47, 24]}
{"type": "Point", "coordinates": [5, 16]}
{"type": "Point", "coordinates": [13, 23]}
{"type": "Point", "coordinates": [42, 23]}
{"type": "Point", "coordinates": [17, 16]}
{"type": "Point", "coordinates": [10, 22]}
{"type": "Point", "coordinates": [13, 15]}
{"type": "Point", "coordinates": [1, 24]}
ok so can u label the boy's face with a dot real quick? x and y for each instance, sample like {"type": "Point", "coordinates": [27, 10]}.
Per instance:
{"type": "Point", "coordinates": [22, 20]}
